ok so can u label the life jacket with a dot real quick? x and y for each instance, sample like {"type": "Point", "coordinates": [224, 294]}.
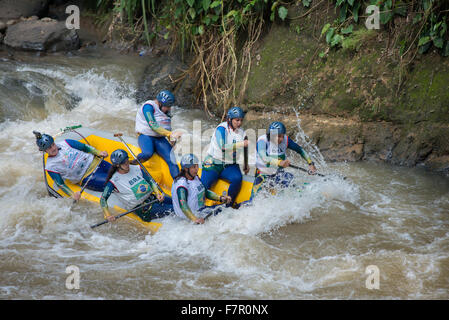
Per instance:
{"type": "Point", "coordinates": [161, 118]}
{"type": "Point", "coordinates": [70, 163]}
{"type": "Point", "coordinates": [274, 151]}
{"type": "Point", "coordinates": [196, 195]}
{"type": "Point", "coordinates": [232, 136]}
{"type": "Point", "coordinates": [132, 188]}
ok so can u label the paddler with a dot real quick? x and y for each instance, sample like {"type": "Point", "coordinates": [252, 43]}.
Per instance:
{"type": "Point", "coordinates": [74, 161]}
{"type": "Point", "coordinates": [271, 158]}
{"type": "Point", "coordinates": [153, 125]}
{"type": "Point", "coordinates": [189, 193]}
{"type": "Point", "coordinates": [221, 162]}
{"type": "Point", "coordinates": [133, 187]}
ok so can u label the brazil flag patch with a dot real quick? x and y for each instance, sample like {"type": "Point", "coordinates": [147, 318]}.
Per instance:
{"type": "Point", "coordinates": [141, 189]}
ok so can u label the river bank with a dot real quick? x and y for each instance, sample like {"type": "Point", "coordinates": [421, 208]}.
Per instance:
{"type": "Point", "coordinates": [357, 102]}
{"type": "Point", "coordinates": [348, 102]}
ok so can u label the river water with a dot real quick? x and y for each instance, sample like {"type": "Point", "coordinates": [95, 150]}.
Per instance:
{"type": "Point", "coordinates": [320, 243]}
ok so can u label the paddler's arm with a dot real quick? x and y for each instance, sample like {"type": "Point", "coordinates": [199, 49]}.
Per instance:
{"type": "Point", "coordinates": [153, 185]}
{"type": "Point", "coordinates": [182, 196]}
{"type": "Point", "coordinates": [85, 148]}
{"type": "Point", "coordinates": [148, 112]}
{"type": "Point", "coordinates": [104, 201]}
{"type": "Point", "coordinates": [57, 178]}
{"type": "Point", "coordinates": [292, 145]}
{"type": "Point", "coordinates": [213, 196]}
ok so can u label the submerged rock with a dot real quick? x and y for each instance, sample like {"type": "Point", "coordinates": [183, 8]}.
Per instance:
{"type": "Point", "coordinates": [42, 35]}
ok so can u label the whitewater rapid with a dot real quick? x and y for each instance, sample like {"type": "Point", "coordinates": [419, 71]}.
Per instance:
{"type": "Point", "coordinates": [310, 242]}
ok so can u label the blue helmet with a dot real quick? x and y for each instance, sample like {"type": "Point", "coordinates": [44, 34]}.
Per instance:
{"type": "Point", "coordinates": [166, 98]}
{"type": "Point", "coordinates": [118, 157]}
{"type": "Point", "coordinates": [43, 141]}
{"type": "Point", "coordinates": [277, 127]}
{"type": "Point", "coordinates": [188, 160]}
{"type": "Point", "coordinates": [235, 112]}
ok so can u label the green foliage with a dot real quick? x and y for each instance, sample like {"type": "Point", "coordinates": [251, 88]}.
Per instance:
{"type": "Point", "coordinates": [434, 29]}
{"type": "Point", "coordinates": [336, 32]}
{"type": "Point", "coordinates": [348, 29]}
{"type": "Point", "coordinates": [282, 12]}
{"type": "Point", "coordinates": [186, 19]}
{"type": "Point", "coordinates": [306, 3]}
{"type": "Point", "coordinates": [428, 15]}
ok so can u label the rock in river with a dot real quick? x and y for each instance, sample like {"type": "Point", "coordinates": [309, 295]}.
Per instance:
{"type": "Point", "coordinates": [42, 35]}
{"type": "Point", "coordinates": [14, 9]}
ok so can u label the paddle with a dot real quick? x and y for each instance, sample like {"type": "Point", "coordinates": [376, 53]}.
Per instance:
{"type": "Point", "coordinates": [90, 177]}
{"type": "Point", "coordinates": [72, 128]}
{"type": "Point", "coordinates": [123, 214]}
{"type": "Point", "coordinates": [305, 170]}
{"type": "Point", "coordinates": [119, 135]}
{"type": "Point", "coordinates": [245, 158]}
{"type": "Point", "coordinates": [223, 194]}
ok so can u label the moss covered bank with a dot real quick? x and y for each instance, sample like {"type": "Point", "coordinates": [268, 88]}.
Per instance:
{"type": "Point", "coordinates": [355, 103]}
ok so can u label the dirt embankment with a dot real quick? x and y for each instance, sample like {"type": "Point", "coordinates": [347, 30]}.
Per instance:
{"type": "Point", "coordinates": [346, 139]}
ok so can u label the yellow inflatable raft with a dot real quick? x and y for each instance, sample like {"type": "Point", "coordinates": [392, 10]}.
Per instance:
{"type": "Point", "coordinates": [156, 166]}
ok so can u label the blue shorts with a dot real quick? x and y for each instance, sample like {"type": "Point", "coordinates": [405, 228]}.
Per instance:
{"type": "Point", "coordinates": [98, 181]}
{"type": "Point", "coordinates": [230, 173]}
{"type": "Point", "coordinates": [162, 147]}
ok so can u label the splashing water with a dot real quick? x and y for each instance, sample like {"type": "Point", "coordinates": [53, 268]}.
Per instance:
{"type": "Point", "coordinates": [307, 143]}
